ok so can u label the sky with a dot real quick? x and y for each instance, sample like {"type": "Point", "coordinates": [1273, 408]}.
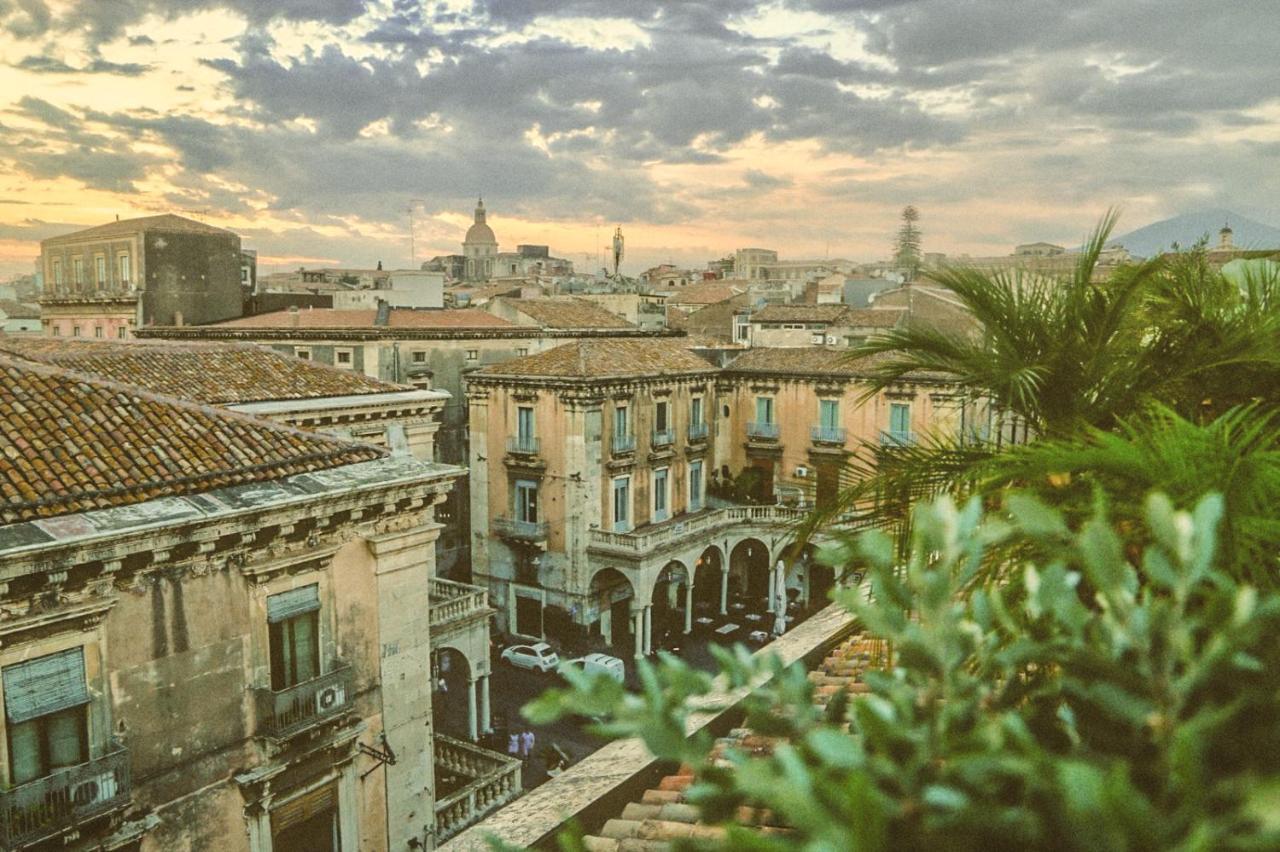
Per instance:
{"type": "Point", "coordinates": [313, 127]}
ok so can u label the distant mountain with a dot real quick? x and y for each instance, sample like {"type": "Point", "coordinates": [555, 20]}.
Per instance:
{"type": "Point", "coordinates": [1186, 229]}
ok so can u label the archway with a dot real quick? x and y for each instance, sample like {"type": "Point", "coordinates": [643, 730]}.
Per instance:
{"type": "Point", "coordinates": [749, 568]}
{"type": "Point", "coordinates": [609, 613]}
{"type": "Point", "coordinates": [450, 673]}
{"type": "Point", "coordinates": [669, 601]}
{"type": "Point", "coordinates": [706, 580]}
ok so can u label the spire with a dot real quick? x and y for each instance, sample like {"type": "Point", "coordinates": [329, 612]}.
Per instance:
{"type": "Point", "coordinates": [480, 211]}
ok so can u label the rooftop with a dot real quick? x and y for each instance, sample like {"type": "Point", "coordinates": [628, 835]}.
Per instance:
{"type": "Point", "coordinates": [567, 313]}
{"type": "Point", "coordinates": [800, 361]}
{"type": "Point", "coordinates": [72, 443]}
{"type": "Point", "coordinates": [705, 292]}
{"type": "Point", "coordinates": [19, 310]}
{"type": "Point", "coordinates": [125, 227]}
{"type": "Point", "coordinates": [399, 318]}
{"type": "Point", "coordinates": [802, 313]}
{"type": "Point", "coordinates": [604, 358]}
{"type": "Point", "coordinates": [214, 373]}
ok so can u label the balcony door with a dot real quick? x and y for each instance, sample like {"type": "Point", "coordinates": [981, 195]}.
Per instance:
{"type": "Point", "coordinates": [309, 822]}
{"type": "Point", "coordinates": [293, 622]}
{"type": "Point", "coordinates": [524, 426]}
{"type": "Point", "coordinates": [45, 703]}
{"type": "Point", "coordinates": [526, 506]}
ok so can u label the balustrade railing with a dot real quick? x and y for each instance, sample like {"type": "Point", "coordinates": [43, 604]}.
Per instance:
{"type": "Point", "coordinates": [451, 601]}
{"type": "Point", "coordinates": [698, 431]}
{"type": "Point", "coordinates": [520, 530]}
{"type": "Point", "coordinates": [762, 431]}
{"type": "Point", "coordinates": [494, 781]}
{"type": "Point", "coordinates": [295, 708]}
{"type": "Point", "coordinates": [623, 444]}
{"type": "Point", "coordinates": [64, 799]}
{"type": "Point", "coordinates": [663, 438]}
{"type": "Point", "coordinates": [523, 445]}
{"type": "Point", "coordinates": [827, 434]}
{"type": "Point", "coordinates": [681, 528]}
{"type": "Point", "coordinates": [897, 439]}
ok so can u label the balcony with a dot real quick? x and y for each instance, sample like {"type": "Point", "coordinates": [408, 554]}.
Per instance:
{"type": "Point", "coordinates": [897, 439]}
{"type": "Point", "coordinates": [623, 444]}
{"type": "Point", "coordinates": [68, 798]}
{"type": "Point", "coordinates": [523, 445]}
{"type": "Point", "coordinates": [454, 604]}
{"type": "Point", "coordinates": [295, 709]}
{"type": "Point", "coordinates": [646, 540]}
{"type": "Point", "coordinates": [662, 438]}
{"type": "Point", "coordinates": [697, 432]}
{"type": "Point", "coordinates": [526, 532]}
{"type": "Point", "coordinates": [828, 435]}
{"type": "Point", "coordinates": [471, 783]}
{"type": "Point", "coordinates": [762, 431]}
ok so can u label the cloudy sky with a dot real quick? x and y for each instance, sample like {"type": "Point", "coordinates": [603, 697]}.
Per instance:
{"type": "Point", "coordinates": [312, 126]}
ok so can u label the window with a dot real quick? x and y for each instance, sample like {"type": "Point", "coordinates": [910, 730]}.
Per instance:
{"type": "Point", "coordinates": [75, 331]}
{"type": "Point", "coordinates": [661, 416]}
{"type": "Point", "coordinates": [695, 485]}
{"type": "Point", "coordinates": [526, 501]}
{"type": "Point", "coordinates": [126, 271]}
{"type": "Point", "coordinates": [695, 411]}
{"type": "Point", "coordinates": [661, 478]}
{"type": "Point", "coordinates": [45, 702]}
{"type": "Point", "coordinates": [57, 273]}
{"type": "Point", "coordinates": [342, 357]}
{"type": "Point", "coordinates": [473, 354]}
{"type": "Point", "coordinates": [302, 352]}
{"type": "Point", "coordinates": [899, 421]}
{"type": "Point", "coordinates": [97, 331]}
{"type": "Point", "coordinates": [764, 409]}
{"type": "Point", "coordinates": [419, 357]}
{"type": "Point", "coordinates": [121, 332]}
{"type": "Point", "coordinates": [57, 331]}
{"type": "Point", "coordinates": [77, 269]}
{"type": "Point", "coordinates": [829, 413]}
{"type": "Point", "coordinates": [622, 504]}
{"type": "Point", "coordinates": [100, 270]}
{"type": "Point", "coordinates": [521, 352]}
{"type": "Point", "coordinates": [621, 421]}
{"type": "Point", "coordinates": [244, 275]}
{"type": "Point", "coordinates": [293, 621]}
{"type": "Point", "coordinates": [524, 425]}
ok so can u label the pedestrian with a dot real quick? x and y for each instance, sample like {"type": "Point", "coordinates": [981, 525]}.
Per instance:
{"type": "Point", "coordinates": [441, 685]}
{"type": "Point", "coordinates": [513, 744]}
{"type": "Point", "coordinates": [526, 744]}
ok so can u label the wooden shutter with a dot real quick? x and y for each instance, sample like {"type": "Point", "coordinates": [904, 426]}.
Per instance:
{"type": "Point", "coordinates": [302, 808]}
{"type": "Point", "coordinates": [45, 685]}
{"type": "Point", "coordinates": [292, 603]}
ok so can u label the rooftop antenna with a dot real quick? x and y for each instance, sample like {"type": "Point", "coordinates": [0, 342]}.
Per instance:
{"type": "Point", "coordinates": [414, 203]}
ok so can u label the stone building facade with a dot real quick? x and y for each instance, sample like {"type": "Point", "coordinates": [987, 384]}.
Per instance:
{"type": "Point", "coordinates": [110, 280]}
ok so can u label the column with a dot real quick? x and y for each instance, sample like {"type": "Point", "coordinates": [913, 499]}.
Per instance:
{"type": "Point", "coordinates": [472, 733]}
{"type": "Point", "coordinates": [724, 590]}
{"type": "Point", "coordinates": [486, 724]}
{"type": "Point", "coordinates": [688, 607]}
{"type": "Point", "coordinates": [638, 629]}
{"type": "Point", "coordinates": [772, 590]}
{"type": "Point", "coordinates": [648, 629]}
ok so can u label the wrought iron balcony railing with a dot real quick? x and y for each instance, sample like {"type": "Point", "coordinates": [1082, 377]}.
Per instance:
{"type": "Point", "coordinates": [623, 444]}
{"type": "Point", "coordinates": [523, 445]}
{"type": "Point", "coordinates": [698, 431]}
{"type": "Point", "coordinates": [897, 439]}
{"type": "Point", "coordinates": [828, 434]}
{"type": "Point", "coordinates": [762, 431]}
{"type": "Point", "coordinates": [64, 799]}
{"type": "Point", "coordinates": [663, 438]}
{"type": "Point", "coordinates": [294, 709]}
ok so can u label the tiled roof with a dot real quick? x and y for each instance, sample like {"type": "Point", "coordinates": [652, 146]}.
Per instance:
{"type": "Point", "coordinates": [70, 443]}
{"type": "Point", "coordinates": [875, 317]}
{"type": "Point", "coordinates": [664, 817]}
{"type": "Point", "coordinates": [567, 313]}
{"type": "Point", "coordinates": [704, 292]}
{"type": "Point", "coordinates": [799, 360]}
{"type": "Point", "coordinates": [801, 313]}
{"type": "Point", "coordinates": [600, 358]}
{"type": "Point", "coordinates": [124, 227]}
{"type": "Point", "coordinates": [19, 310]}
{"type": "Point", "coordinates": [215, 373]}
{"type": "Point", "coordinates": [400, 318]}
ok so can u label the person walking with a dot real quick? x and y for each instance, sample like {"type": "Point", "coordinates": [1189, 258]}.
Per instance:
{"type": "Point", "coordinates": [513, 744]}
{"type": "Point", "coordinates": [526, 744]}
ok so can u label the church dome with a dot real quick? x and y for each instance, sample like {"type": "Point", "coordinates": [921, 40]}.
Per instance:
{"type": "Point", "coordinates": [480, 232]}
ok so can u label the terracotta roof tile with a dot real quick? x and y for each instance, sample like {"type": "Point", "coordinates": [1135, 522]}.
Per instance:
{"type": "Point", "coordinates": [600, 358]}
{"type": "Point", "coordinates": [69, 443]}
{"type": "Point", "coordinates": [569, 313]}
{"type": "Point", "coordinates": [841, 314]}
{"type": "Point", "coordinates": [704, 292]}
{"type": "Point", "coordinates": [400, 318]}
{"type": "Point", "coordinates": [799, 360]}
{"type": "Point", "coordinates": [212, 373]}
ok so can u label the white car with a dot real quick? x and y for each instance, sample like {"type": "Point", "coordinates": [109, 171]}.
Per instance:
{"type": "Point", "coordinates": [540, 656]}
{"type": "Point", "coordinates": [594, 663]}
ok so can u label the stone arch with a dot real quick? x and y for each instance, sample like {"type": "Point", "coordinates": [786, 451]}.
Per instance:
{"type": "Point", "coordinates": [669, 598]}
{"type": "Point", "coordinates": [706, 579]}
{"type": "Point", "coordinates": [749, 567]}
{"type": "Point", "coordinates": [610, 598]}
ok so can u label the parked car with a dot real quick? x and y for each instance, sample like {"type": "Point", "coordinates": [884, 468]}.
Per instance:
{"type": "Point", "coordinates": [600, 664]}
{"type": "Point", "coordinates": [541, 657]}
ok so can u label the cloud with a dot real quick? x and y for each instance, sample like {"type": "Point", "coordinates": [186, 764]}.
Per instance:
{"type": "Point", "coordinates": [49, 65]}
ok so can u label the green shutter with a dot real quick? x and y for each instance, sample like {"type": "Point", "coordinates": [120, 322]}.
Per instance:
{"type": "Point", "coordinates": [292, 603]}
{"type": "Point", "coordinates": [45, 685]}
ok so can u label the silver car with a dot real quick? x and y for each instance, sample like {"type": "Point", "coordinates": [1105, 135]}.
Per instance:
{"type": "Point", "coordinates": [541, 657]}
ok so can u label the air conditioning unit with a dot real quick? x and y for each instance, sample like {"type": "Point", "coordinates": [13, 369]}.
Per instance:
{"type": "Point", "coordinates": [816, 339]}
{"type": "Point", "coordinates": [98, 789]}
{"type": "Point", "coordinates": [331, 698]}
{"type": "Point", "coordinates": [802, 471]}
{"type": "Point", "coordinates": [832, 340]}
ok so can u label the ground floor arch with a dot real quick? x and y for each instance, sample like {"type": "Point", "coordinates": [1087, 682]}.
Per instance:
{"type": "Point", "coordinates": [460, 689]}
{"type": "Point", "coordinates": [672, 600]}
{"type": "Point", "coordinates": [610, 605]}
{"type": "Point", "coordinates": [749, 572]}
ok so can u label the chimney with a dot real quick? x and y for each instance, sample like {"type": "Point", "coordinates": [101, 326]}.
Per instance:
{"type": "Point", "coordinates": [293, 316]}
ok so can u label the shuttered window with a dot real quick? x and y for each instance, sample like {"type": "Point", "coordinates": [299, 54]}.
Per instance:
{"type": "Point", "coordinates": [45, 685]}
{"type": "Point", "coordinates": [309, 819]}
{"type": "Point", "coordinates": [293, 602]}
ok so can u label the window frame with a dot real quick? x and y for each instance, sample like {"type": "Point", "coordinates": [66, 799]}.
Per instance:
{"type": "Point", "coordinates": [524, 497]}
{"type": "Point", "coordinates": [622, 486]}
{"type": "Point", "coordinates": [661, 498]}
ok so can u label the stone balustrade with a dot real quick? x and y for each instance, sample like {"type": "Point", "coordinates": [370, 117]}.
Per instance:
{"type": "Point", "coordinates": [453, 602]}
{"type": "Point", "coordinates": [494, 781]}
{"type": "Point", "coordinates": [680, 529]}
